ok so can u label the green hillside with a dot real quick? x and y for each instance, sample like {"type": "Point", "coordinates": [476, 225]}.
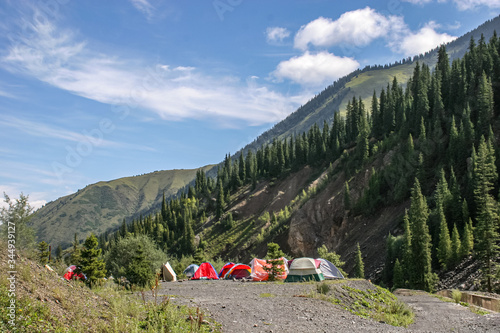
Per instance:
{"type": "Point", "coordinates": [410, 179]}
{"type": "Point", "coordinates": [362, 83]}
{"type": "Point", "coordinates": [102, 206]}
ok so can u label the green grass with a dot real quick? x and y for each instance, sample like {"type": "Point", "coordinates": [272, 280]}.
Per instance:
{"type": "Point", "coordinates": [377, 303]}
{"type": "Point", "coordinates": [266, 295]}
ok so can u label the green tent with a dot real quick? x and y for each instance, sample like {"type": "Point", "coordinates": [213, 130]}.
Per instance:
{"type": "Point", "coordinates": [304, 269]}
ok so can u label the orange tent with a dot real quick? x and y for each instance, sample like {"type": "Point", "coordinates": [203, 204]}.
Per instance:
{"type": "Point", "coordinates": [260, 274]}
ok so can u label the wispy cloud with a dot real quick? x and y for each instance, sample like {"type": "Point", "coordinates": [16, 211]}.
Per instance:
{"type": "Point", "coordinates": [58, 57]}
{"type": "Point", "coordinates": [276, 35]}
{"type": "Point", "coordinates": [144, 7]}
{"type": "Point", "coordinates": [39, 129]}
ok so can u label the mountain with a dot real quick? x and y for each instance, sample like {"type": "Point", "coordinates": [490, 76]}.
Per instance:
{"type": "Point", "coordinates": [104, 205]}
{"type": "Point", "coordinates": [362, 83]}
{"type": "Point", "coordinates": [429, 146]}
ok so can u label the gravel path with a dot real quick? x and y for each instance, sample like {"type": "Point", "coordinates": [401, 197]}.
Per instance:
{"type": "Point", "coordinates": [275, 307]}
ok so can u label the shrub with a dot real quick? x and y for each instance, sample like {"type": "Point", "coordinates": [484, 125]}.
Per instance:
{"type": "Point", "coordinates": [456, 295]}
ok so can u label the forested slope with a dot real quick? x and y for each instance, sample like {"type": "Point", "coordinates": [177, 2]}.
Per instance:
{"type": "Point", "coordinates": [430, 146]}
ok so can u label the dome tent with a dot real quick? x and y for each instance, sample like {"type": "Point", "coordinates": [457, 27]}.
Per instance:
{"type": "Point", "coordinates": [305, 269]}
{"type": "Point", "coordinates": [329, 270]}
{"type": "Point", "coordinates": [190, 270]}
{"type": "Point", "coordinates": [205, 272]}
{"type": "Point", "coordinates": [225, 269]}
{"type": "Point", "coordinates": [238, 271]}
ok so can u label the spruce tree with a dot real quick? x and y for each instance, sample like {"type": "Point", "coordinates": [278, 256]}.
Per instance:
{"type": "Point", "coordinates": [43, 253]}
{"type": "Point", "coordinates": [220, 202]}
{"type": "Point", "coordinates": [485, 176]}
{"type": "Point", "coordinates": [138, 270]}
{"type": "Point", "coordinates": [76, 253]}
{"type": "Point", "coordinates": [444, 251]}
{"type": "Point", "coordinates": [59, 252]}
{"type": "Point", "coordinates": [92, 264]}
{"type": "Point", "coordinates": [467, 244]}
{"type": "Point", "coordinates": [398, 277]}
{"type": "Point", "coordinates": [276, 265]}
{"type": "Point", "coordinates": [455, 246]}
{"type": "Point", "coordinates": [359, 266]}
{"type": "Point", "coordinates": [407, 257]}
{"type": "Point", "coordinates": [421, 276]}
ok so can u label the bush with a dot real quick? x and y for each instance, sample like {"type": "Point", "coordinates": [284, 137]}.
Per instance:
{"type": "Point", "coordinates": [323, 288]}
{"type": "Point", "coordinates": [456, 295]}
{"type": "Point", "coordinates": [124, 257]}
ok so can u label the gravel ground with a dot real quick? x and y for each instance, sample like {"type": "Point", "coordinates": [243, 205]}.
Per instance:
{"type": "Point", "coordinates": [278, 307]}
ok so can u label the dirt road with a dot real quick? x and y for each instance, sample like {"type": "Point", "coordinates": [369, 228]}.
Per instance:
{"type": "Point", "coordinates": [272, 307]}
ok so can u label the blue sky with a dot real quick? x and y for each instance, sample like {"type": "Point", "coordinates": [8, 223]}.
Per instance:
{"type": "Point", "coordinates": [98, 90]}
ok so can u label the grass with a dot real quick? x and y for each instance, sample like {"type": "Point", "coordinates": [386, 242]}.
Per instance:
{"type": "Point", "coordinates": [266, 295]}
{"type": "Point", "coordinates": [45, 303]}
{"type": "Point", "coordinates": [456, 295]}
{"type": "Point", "coordinates": [376, 303]}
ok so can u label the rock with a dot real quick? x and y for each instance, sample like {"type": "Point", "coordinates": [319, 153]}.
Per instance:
{"type": "Point", "coordinates": [255, 325]}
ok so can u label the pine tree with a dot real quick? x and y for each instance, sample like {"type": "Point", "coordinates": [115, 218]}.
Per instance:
{"type": "Point", "coordinates": [467, 244]}
{"type": "Point", "coordinates": [359, 266]}
{"type": "Point", "coordinates": [138, 270]}
{"type": "Point", "coordinates": [220, 202]}
{"type": "Point", "coordinates": [398, 276]}
{"type": "Point", "coordinates": [407, 257]}
{"type": "Point", "coordinates": [421, 276]}
{"type": "Point", "coordinates": [455, 246]}
{"type": "Point", "coordinates": [276, 265]}
{"type": "Point", "coordinates": [92, 264]}
{"type": "Point", "coordinates": [444, 251]}
{"type": "Point", "coordinates": [485, 176]}
{"type": "Point", "coordinates": [43, 255]}
{"type": "Point", "coordinates": [76, 253]}
{"type": "Point", "coordinates": [59, 252]}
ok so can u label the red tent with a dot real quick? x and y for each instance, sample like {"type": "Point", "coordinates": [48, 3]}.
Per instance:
{"type": "Point", "coordinates": [225, 269]}
{"type": "Point", "coordinates": [239, 271]}
{"type": "Point", "coordinates": [71, 274]}
{"type": "Point", "coordinates": [205, 272]}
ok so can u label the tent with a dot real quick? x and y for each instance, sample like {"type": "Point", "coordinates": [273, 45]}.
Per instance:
{"type": "Point", "coordinates": [225, 269]}
{"type": "Point", "coordinates": [238, 271]}
{"type": "Point", "coordinates": [329, 270]}
{"type": "Point", "coordinates": [205, 272]}
{"type": "Point", "coordinates": [190, 270]}
{"type": "Point", "coordinates": [258, 273]}
{"type": "Point", "coordinates": [305, 269]}
{"type": "Point", "coordinates": [168, 273]}
{"type": "Point", "coordinates": [72, 273]}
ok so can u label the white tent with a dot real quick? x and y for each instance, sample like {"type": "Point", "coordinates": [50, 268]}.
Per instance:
{"type": "Point", "coordinates": [168, 273]}
{"type": "Point", "coordinates": [329, 270]}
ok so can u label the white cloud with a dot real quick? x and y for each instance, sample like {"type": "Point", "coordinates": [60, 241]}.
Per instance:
{"type": "Point", "coordinates": [55, 56]}
{"type": "Point", "coordinates": [315, 69]}
{"type": "Point", "coordinates": [423, 40]}
{"type": "Point", "coordinates": [358, 27]}
{"type": "Point", "coordinates": [144, 7]}
{"type": "Point", "coordinates": [276, 34]}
